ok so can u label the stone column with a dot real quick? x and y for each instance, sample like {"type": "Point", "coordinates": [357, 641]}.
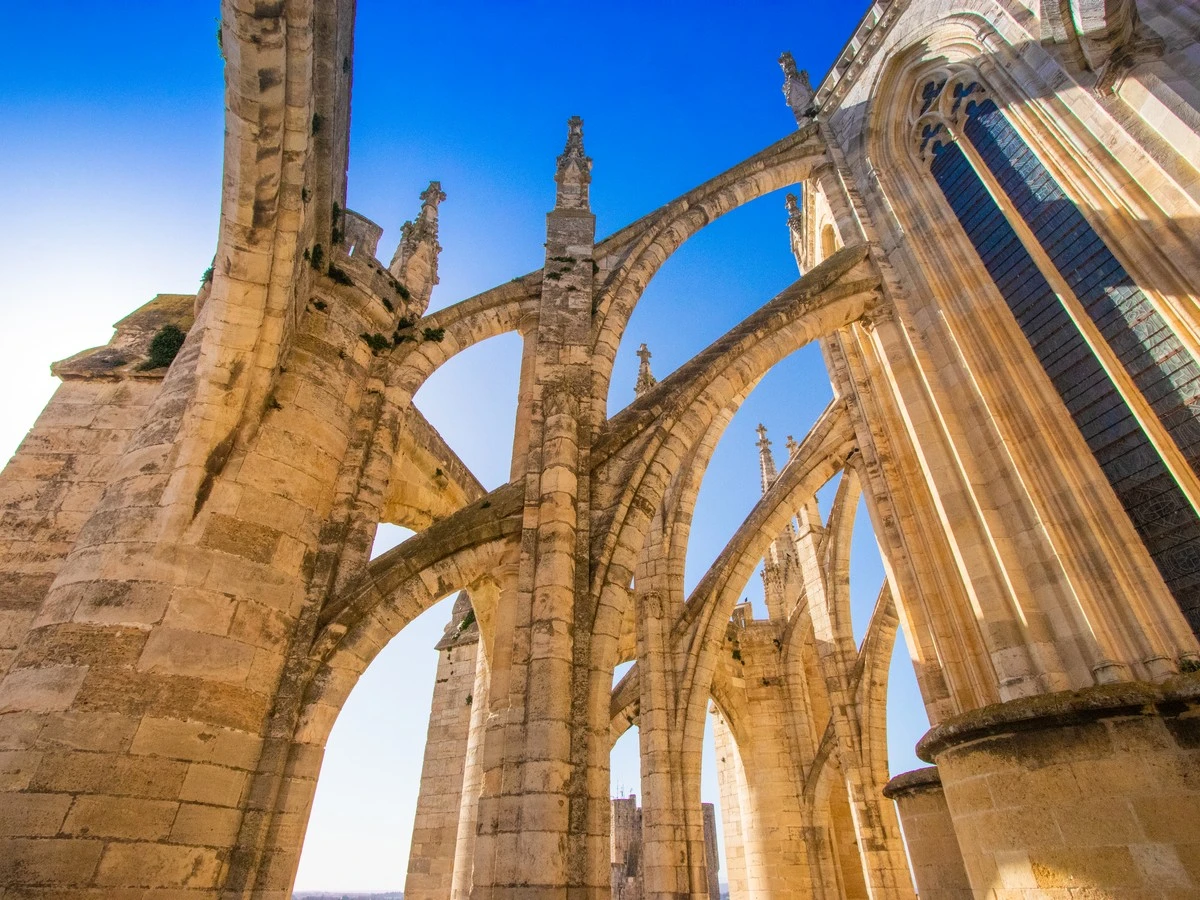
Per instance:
{"type": "Point", "coordinates": [933, 852]}
{"type": "Point", "coordinates": [728, 780]}
{"type": "Point", "coordinates": [436, 823]}
{"type": "Point", "coordinates": [540, 813]}
{"type": "Point", "coordinates": [1091, 792]}
{"type": "Point", "coordinates": [468, 812]}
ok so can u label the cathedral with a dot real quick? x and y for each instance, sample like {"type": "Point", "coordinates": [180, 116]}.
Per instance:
{"type": "Point", "coordinates": [993, 209]}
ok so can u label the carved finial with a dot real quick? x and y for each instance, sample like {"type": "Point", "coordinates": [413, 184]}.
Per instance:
{"type": "Point", "coordinates": [796, 230]}
{"type": "Point", "coordinates": [797, 89]}
{"type": "Point", "coordinates": [645, 379]}
{"type": "Point", "coordinates": [792, 446]}
{"type": "Point", "coordinates": [793, 208]}
{"type": "Point", "coordinates": [430, 198]}
{"type": "Point", "coordinates": [766, 461]}
{"type": "Point", "coordinates": [574, 172]}
{"type": "Point", "coordinates": [415, 263]}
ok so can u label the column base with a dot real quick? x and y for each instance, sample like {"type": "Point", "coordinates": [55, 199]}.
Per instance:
{"type": "Point", "coordinates": [933, 853]}
{"type": "Point", "coordinates": [1092, 793]}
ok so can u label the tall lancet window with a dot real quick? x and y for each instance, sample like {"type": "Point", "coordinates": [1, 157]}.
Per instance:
{"type": "Point", "coordinates": [1056, 274]}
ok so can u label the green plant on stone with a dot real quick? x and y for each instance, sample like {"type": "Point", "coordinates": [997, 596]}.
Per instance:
{"type": "Point", "coordinates": [164, 347]}
{"type": "Point", "coordinates": [377, 342]}
{"type": "Point", "coordinates": [337, 230]}
{"type": "Point", "coordinates": [316, 257]}
{"type": "Point", "coordinates": [1189, 664]}
{"type": "Point", "coordinates": [434, 334]}
{"type": "Point", "coordinates": [207, 276]}
{"type": "Point", "coordinates": [339, 275]}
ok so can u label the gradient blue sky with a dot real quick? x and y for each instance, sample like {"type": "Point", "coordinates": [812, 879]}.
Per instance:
{"type": "Point", "coordinates": [110, 157]}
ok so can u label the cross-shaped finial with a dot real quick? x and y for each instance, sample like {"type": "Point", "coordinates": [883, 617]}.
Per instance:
{"type": "Point", "coordinates": [792, 446]}
{"type": "Point", "coordinates": [645, 379]}
{"type": "Point", "coordinates": [762, 435]}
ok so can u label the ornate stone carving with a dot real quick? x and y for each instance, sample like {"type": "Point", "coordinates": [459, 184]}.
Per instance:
{"type": "Point", "coordinates": [797, 89]}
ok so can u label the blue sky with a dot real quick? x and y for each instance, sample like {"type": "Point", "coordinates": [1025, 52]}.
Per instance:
{"type": "Point", "coordinates": [110, 156]}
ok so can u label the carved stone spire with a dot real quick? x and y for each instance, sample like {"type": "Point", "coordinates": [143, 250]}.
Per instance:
{"type": "Point", "coordinates": [792, 446]}
{"type": "Point", "coordinates": [796, 229]}
{"type": "Point", "coordinates": [645, 379]}
{"type": "Point", "coordinates": [415, 263]}
{"type": "Point", "coordinates": [574, 172]}
{"type": "Point", "coordinates": [766, 461]}
{"type": "Point", "coordinates": [797, 89]}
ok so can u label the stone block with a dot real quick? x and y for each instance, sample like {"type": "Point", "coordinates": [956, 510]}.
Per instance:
{"type": "Point", "coordinates": [63, 863]}
{"type": "Point", "coordinates": [196, 742]}
{"type": "Point", "coordinates": [212, 826]}
{"type": "Point", "coordinates": [33, 815]}
{"type": "Point", "coordinates": [158, 866]}
{"type": "Point", "coordinates": [176, 652]}
{"type": "Point", "coordinates": [45, 689]}
{"type": "Point", "coordinates": [125, 818]}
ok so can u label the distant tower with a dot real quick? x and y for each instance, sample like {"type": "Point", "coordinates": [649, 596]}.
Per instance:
{"type": "Point", "coordinates": [625, 849]}
{"type": "Point", "coordinates": [645, 379]}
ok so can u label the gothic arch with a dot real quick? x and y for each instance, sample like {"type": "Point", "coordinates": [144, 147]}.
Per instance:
{"type": "Point", "coordinates": [631, 257]}
{"type": "Point", "coordinates": [695, 394]}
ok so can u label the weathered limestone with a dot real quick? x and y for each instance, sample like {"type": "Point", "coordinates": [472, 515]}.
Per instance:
{"type": "Point", "coordinates": [1005, 297]}
{"type": "Point", "coordinates": [435, 826]}
{"type": "Point", "coordinates": [1092, 791]}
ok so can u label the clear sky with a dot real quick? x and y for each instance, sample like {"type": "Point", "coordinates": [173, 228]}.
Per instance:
{"type": "Point", "coordinates": [110, 159]}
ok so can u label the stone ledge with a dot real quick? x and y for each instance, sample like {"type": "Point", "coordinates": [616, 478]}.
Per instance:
{"type": "Point", "coordinates": [923, 779]}
{"type": "Point", "coordinates": [1064, 708]}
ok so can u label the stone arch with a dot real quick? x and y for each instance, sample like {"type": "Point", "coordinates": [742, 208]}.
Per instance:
{"type": "Point", "coordinates": [632, 256]}
{"type": "Point", "coordinates": [692, 396]}
{"type": "Point", "coordinates": [701, 627]}
{"type": "Point", "coordinates": [466, 323]}
{"type": "Point", "coordinates": [872, 673]}
{"type": "Point", "coordinates": [397, 588]}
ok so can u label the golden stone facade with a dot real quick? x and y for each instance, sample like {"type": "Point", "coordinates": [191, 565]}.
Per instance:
{"type": "Point", "coordinates": [996, 225]}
